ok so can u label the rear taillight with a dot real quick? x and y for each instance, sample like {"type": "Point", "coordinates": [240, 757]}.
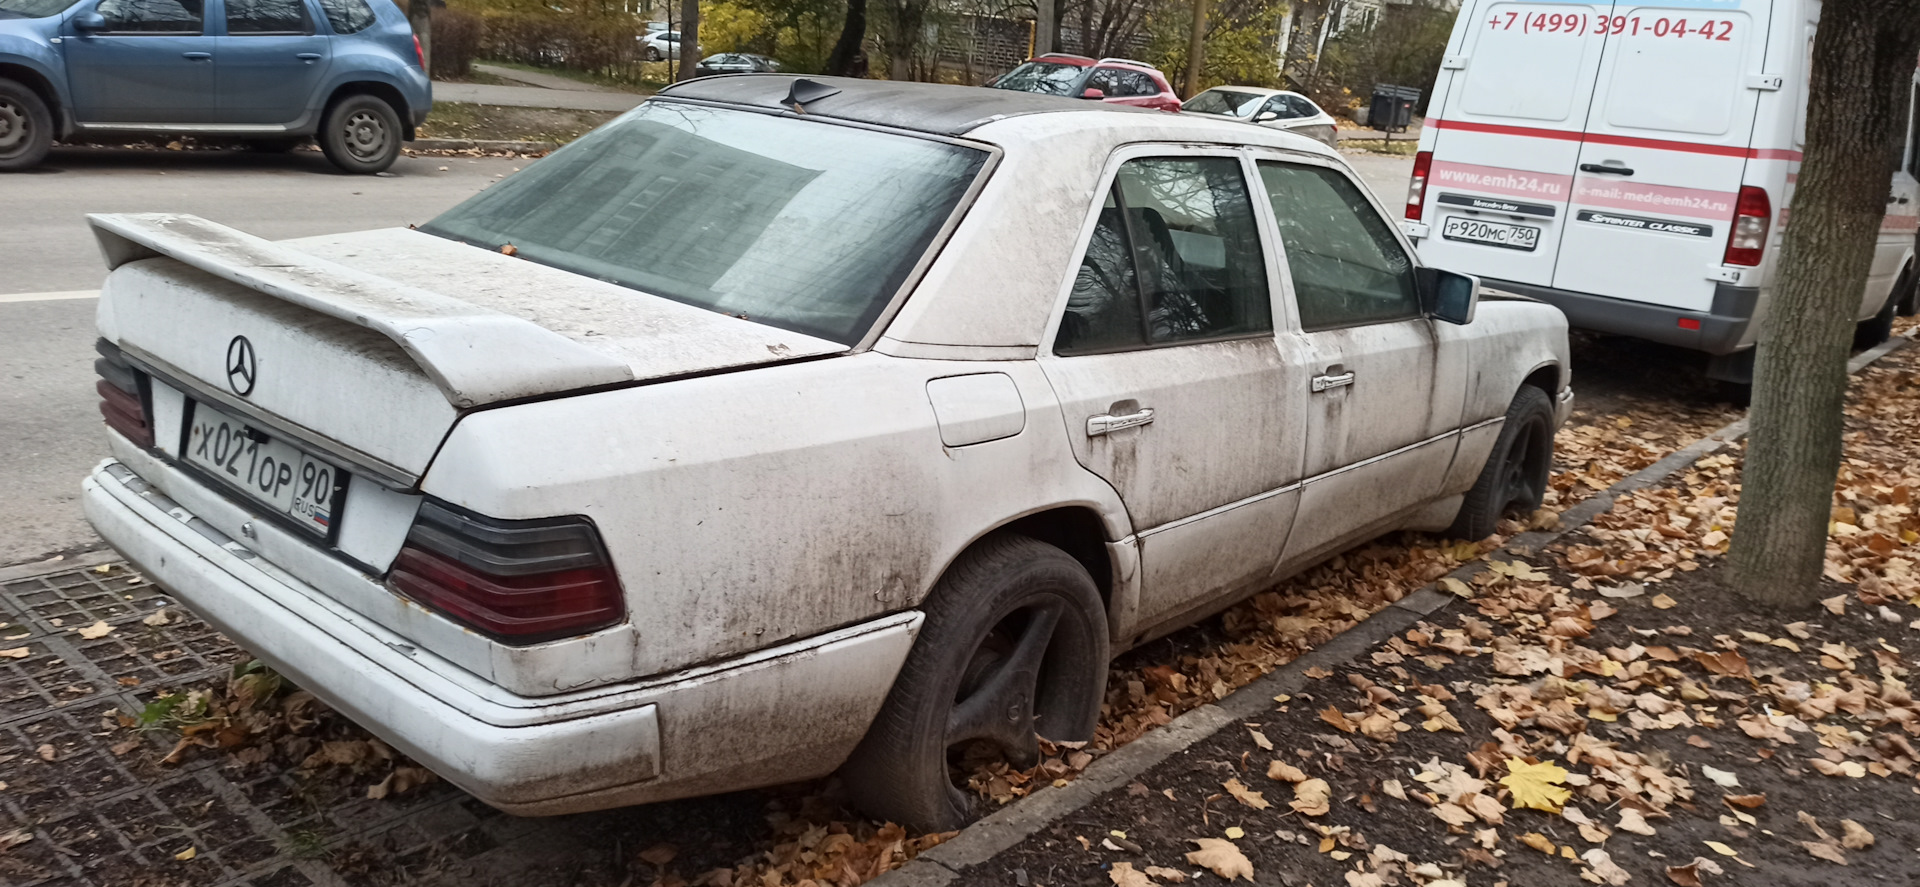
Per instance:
{"type": "Point", "coordinates": [1752, 217]}
{"type": "Point", "coordinates": [1417, 186]}
{"type": "Point", "coordinates": [419, 55]}
{"type": "Point", "coordinates": [121, 401]}
{"type": "Point", "coordinates": [519, 581]}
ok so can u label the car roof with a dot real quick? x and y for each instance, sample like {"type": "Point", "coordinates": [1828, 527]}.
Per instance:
{"type": "Point", "coordinates": [934, 108]}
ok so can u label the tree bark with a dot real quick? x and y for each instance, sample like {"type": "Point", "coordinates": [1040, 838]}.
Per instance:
{"type": "Point", "coordinates": [844, 60]}
{"type": "Point", "coordinates": [689, 38]}
{"type": "Point", "coordinates": [1863, 63]}
{"type": "Point", "coordinates": [1046, 26]}
{"type": "Point", "coordinates": [1196, 48]}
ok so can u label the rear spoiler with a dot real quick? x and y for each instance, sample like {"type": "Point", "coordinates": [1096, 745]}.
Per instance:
{"type": "Point", "coordinates": [459, 345]}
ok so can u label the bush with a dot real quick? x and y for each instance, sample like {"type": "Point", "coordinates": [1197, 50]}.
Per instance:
{"type": "Point", "coordinates": [597, 44]}
{"type": "Point", "coordinates": [457, 38]}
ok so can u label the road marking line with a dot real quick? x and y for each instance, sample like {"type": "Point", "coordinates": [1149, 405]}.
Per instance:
{"type": "Point", "coordinates": [50, 297]}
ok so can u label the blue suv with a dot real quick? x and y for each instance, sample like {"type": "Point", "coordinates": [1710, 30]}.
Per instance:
{"type": "Point", "coordinates": [272, 73]}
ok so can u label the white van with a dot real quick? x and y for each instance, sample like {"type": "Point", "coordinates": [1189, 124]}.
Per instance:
{"type": "Point", "coordinates": [1633, 165]}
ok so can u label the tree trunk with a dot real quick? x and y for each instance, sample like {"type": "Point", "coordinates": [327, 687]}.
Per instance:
{"type": "Point", "coordinates": [689, 38]}
{"type": "Point", "coordinates": [844, 61]}
{"type": "Point", "coordinates": [1863, 62]}
{"type": "Point", "coordinates": [1196, 49]}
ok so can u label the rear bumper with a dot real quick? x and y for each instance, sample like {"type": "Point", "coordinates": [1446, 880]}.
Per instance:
{"type": "Point", "coordinates": [1723, 329]}
{"type": "Point", "coordinates": [694, 732]}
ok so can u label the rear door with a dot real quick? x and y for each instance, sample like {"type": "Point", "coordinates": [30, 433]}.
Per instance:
{"type": "Point", "coordinates": [1507, 140]}
{"type": "Point", "coordinates": [1668, 136]}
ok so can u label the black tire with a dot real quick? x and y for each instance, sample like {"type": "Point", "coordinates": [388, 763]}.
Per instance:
{"type": "Point", "coordinates": [1878, 328]}
{"type": "Point", "coordinates": [1516, 473]}
{"type": "Point", "coordinates": [653, 55]}
{"type": "Point", "coordinates": [274, 146]}
{"type": "Point", "coordinates": [1907, 293]}
{"type": "Point", "coordinates": [26, 127]}
{"type": "Point", "coordinates": [1016, 626]}
{"type": "Point", "coordinates": [361, 134]}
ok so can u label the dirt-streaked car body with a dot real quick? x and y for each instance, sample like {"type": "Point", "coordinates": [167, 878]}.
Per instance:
{"type": "Point", "coordinates": [577, 543]}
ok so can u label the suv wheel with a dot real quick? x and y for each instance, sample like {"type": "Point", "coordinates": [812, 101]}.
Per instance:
{"type": "Point", "coordinates": [361, 134]}
{"type": "Point", "coordinates": [1515, 477]}
{"type": "Point", "coordinates": [1014, 644]}
{"type": "Point", "coordinates": [26, 127]}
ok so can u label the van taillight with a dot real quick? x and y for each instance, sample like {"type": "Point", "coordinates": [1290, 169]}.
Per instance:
{"type": "Point", "coordinates": [1752, 217]}
{"type": "Point", "coordinates": [121, 403]}
{"type": "Point", "coordinates": [518, 581]}
{"type": "Point", "coordinates": [1417, 186]}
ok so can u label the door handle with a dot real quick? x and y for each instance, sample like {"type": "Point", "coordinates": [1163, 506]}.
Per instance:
{"type": "Point", "coordinates": [308, 56]}
{"type": "Point", "coordinates": [196, 56]}
{"type": "Point", "coordinates": [1330, 380]}
{"type": "Point", "coordinates": [1606, 170]}
{"type": "Point", "coordinates": [1107, 424]}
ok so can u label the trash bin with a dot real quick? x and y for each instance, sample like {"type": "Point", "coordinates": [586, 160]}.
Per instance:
{"type": "Point", "coordinates": [1392, 107]}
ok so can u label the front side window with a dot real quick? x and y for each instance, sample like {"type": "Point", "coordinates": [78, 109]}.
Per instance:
{"type": "Point", "coordinates": [1046, 78]}
{"type": "Point", "coordinates": [1175, 257]}
{"type": "Point", "coordinates": [267, 17]}
{"type": "Point", "coordinates": [152, 16]}
{"type": "Point", "coordinates": [348, 16]}
{"type": "Point", "coordinates": [797, 224]}
{"type": "Point", "coordinates": [1348, 269]}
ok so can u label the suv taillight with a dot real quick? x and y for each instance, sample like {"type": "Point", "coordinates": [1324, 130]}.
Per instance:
{"type": "Point", "coordinates": [518, 581]}
{"type": "Point", "coordinates": [1752, 217]}
{"type": "Point", "coordinates": [1417, 186]}
{"type": "Point", "coordinates": [121, 402]}
{"type": "Point", "coordinates": [419, 55]}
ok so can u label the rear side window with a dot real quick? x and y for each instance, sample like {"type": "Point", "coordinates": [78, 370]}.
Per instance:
{"type": "Point", "coordinates": [1134, 83]}
{"type": "Point", "coordinates": [1175, 257]}
{"type": "Point", "coordinates": [267, 17]}
{"type": "Point", "coordinates": [348, 16]}
{"type": "Point", "coordinates": [1348, 269]}
{"type": "Point", "coordinates": [1224, 101]}
{"type": "Point", "coordinates": [152, 16]}
{"type": "Point", "coordinates": [1518, 70]}
{"type": "Point", "coordinates": [1677, 70]}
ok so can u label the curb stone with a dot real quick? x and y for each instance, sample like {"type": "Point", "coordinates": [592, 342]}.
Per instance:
{"type": "Point", "coordinates": [481, 145]}
{"type": "Point", "coordinates": [1017, 821]}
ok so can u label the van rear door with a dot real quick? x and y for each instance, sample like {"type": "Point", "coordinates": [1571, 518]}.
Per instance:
{"type": "Point", "coordinates": [1507, 136]}
{"type": "Point", "coordinates": [1668, 136]}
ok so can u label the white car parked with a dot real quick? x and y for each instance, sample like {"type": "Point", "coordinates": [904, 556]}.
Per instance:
{"type": "Point", "coordinates": [783, 443]}
{"type": "Point", "coordinates": [660, 45]}
{"type": "Point", "coordinates": [1273, 108]}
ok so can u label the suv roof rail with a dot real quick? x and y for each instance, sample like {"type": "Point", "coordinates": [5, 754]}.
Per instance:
{"type": "Point", "coordinates": [1063, 55]}
{"type": "Point", "coordinates": [1125, 62]}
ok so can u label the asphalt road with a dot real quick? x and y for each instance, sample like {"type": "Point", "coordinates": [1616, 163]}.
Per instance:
{"type": "Point", "coordinates": [49, 426]}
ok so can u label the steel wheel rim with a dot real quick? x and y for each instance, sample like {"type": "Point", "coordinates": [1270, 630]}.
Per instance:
{"type": "Point", "coordinates": [16, 128]}
{"type": "Point", "coordinates": [365, 135]}
{"type": "Point", "coordinates": [1523, 473]}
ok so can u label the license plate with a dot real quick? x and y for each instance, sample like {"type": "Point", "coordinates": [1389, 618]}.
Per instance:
{"type": "Point", "coordinates": [272, 472]}
{"type": "Point", "coordinates": [1521, 237]}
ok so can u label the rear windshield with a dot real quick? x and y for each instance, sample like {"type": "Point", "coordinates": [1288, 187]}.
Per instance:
{"type": "Point", "coordinates": [32, 8]}
{"type": "Point", "coordinates": [1046, 78]}
{"type": "Point", "coordinates": [1224, 101]}
{"type": "Point", "coordinates": [802, 225]}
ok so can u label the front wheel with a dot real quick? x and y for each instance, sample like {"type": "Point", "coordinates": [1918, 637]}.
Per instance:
{"type": "Point", "coordinates": [26, 127]}
{"type": "Point", "coordinates": [1014, 644]}
{"type": "Point", "coordinates": [1515, 477]}
{"type": "Point", "coordinates": [361, 134]}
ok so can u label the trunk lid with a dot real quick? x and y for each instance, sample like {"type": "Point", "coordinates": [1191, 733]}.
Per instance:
{"type": "Point", "coordinates": [372, 343]}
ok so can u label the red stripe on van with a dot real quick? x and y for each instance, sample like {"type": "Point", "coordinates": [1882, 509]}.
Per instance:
{"type": "Point", "coordinates": [1626, 141]}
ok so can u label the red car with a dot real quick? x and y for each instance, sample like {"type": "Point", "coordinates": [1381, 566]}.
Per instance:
{"type": "Point", "coordinates": [1121, 81]}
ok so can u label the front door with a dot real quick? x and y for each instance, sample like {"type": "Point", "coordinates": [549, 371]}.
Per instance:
{"type": "Point", "coordinates": [269, 65]}
{"type": "Point", "coordinates": [1385, 395]}
{"type": "Point", "coordinates": [1172, 384]}
{"type": "Point", "coordinates": [1668, 137]}
{"type": "Point", "coordinates": [153, 63]}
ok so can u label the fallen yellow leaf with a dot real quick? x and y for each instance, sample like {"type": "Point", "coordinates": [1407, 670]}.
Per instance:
{"type": "Point", "coordinates": [94, 631]}
{"type": "Point", "coordinates": [1722, 849]}
{"type": "Point", "coordinates": [1245, 795]}
{"type": "Point", "coordinates": [1536, 786]}
{"type": "Point", "coordinates": [1662, 602]}
{"type": "Point", "coordinates": [186, 854]}
{"type": "Point", "coordinates": [1236, 832]}
{"type": "Point", "coordinates": [1222, 858]}
{"type": "Point", "coordinates": [1538, 842]}
{"type": "Point", "coordinates": [1310, 797]}
{"type": "Point", "coordinates": [1124, 875]}
{"type": "Point", "coordinates": [16, 653]}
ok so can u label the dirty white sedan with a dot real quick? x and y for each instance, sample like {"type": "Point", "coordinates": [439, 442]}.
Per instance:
{"type": "Point", "coordinates": [782, 427]}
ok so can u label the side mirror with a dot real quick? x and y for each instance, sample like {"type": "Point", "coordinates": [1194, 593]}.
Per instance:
{"type": "Point", "coordinates": [1093, 92]}
{"type": "Point", "coordinates": [1265, 116]}
{"type": "Point", "coordinates": [1448, 296]}
{"type": "Point", "coordinates": [89, 23]}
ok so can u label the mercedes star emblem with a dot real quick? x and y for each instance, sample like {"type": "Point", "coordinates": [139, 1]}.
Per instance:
{"type": "Point", "coordinates": [241, 367]}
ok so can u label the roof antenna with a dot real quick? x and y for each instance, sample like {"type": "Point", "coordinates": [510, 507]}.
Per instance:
{"type": "Point", "coordinates": [804, 91]}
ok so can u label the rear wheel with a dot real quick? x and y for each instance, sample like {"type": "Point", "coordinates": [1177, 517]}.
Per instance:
{"type": "Point", "coordinates": [1878, 328]}
{"type": "Point", "coordinates": [361, 134]}
{"type": "Point", "coordinates": [1515, 477]}
{"type": "Point", "coordinates": [26, 127]}
{"type": "Point", "coordinates": [1014, 644]}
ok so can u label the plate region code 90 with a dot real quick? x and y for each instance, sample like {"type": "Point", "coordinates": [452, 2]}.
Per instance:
{"type": "Point", "coordinates": [272, 472]}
